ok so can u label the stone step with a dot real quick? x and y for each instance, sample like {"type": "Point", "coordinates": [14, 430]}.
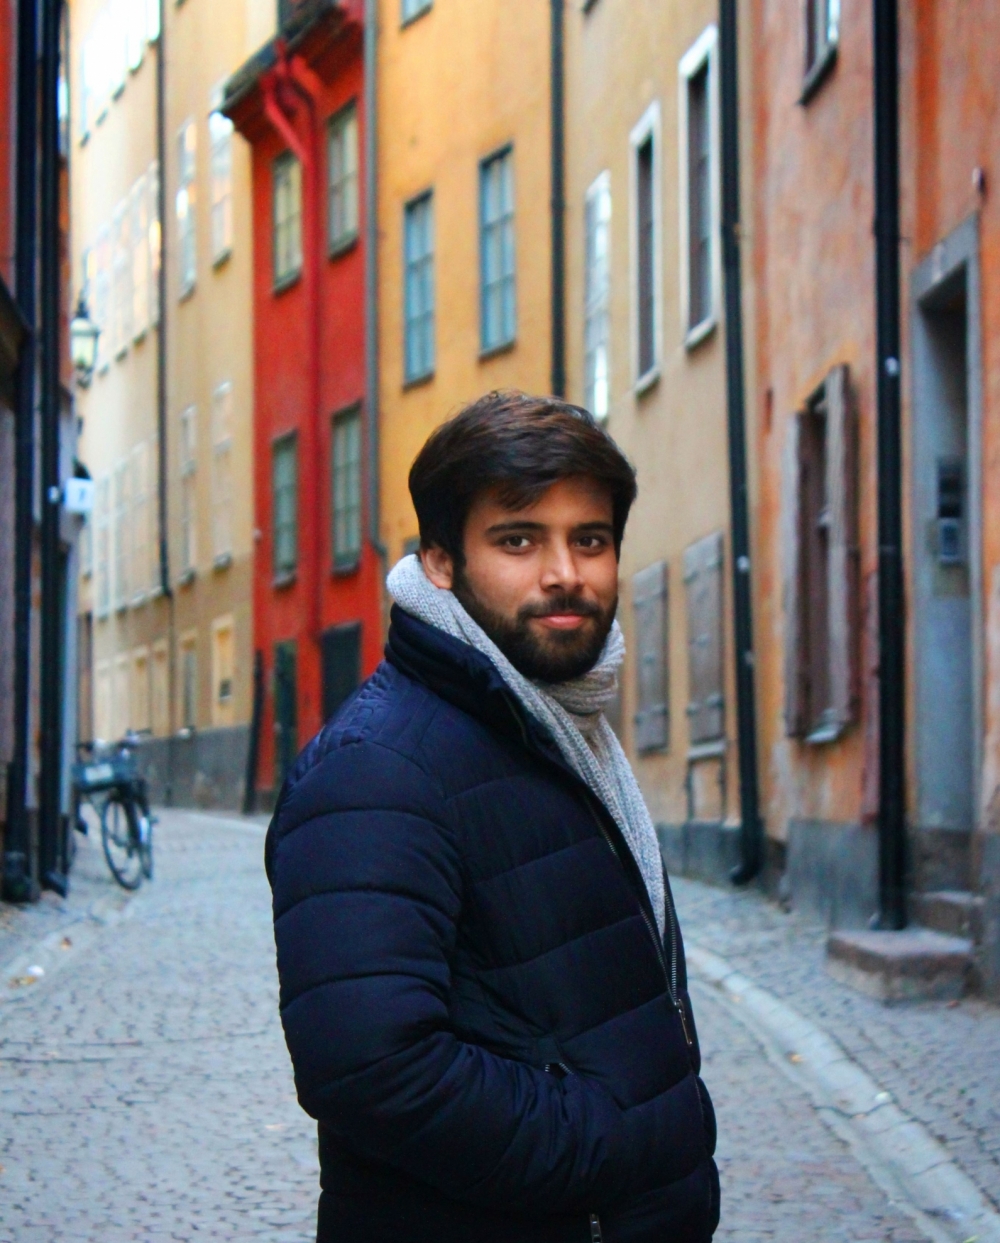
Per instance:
{"type": "Point", "coordinates": [955, 912]}
{"type": "Point", "coordinates": [913, 965]}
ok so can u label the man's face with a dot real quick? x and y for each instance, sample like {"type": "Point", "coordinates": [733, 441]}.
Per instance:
{"type": "Point", "coordinates": [541, 581]}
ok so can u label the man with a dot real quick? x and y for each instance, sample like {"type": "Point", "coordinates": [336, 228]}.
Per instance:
{"type": "Point", "coordinates": [482, 978]}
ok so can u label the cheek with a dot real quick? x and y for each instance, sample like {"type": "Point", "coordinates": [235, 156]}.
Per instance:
{"type": "Point", "coordinates": [601, 576]}
{"type": "Point", "coordinates": [500, 581]}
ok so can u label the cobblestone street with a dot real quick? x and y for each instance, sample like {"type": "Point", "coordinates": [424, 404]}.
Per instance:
{"type": "Point", "coordinates": [145, 1091]}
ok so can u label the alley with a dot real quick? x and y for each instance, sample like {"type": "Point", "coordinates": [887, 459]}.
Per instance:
{"type": "Point", "coordinates": [145, 1091]}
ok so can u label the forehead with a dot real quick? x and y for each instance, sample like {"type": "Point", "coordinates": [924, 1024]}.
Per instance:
{"type": "Point", "coordinates": [567, 502]}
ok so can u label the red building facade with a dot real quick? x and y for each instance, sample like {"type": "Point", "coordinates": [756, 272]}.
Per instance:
{"type": "Point", "coordinates": [316, 597]}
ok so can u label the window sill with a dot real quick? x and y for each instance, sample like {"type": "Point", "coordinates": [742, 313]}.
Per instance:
{"type": "Point", "coordinates": [187, 294]}
{"type": "Point", "coordinates": [223, 561]}
{"type": "Point", "coordinates": [706, 751]}
{"type": "Point", "coordinates": [342, 246]}
{"type": "Point", "coordinates": [140, 336]}
{"type": "Point", "coordinates": [346, 568]}
{"type": "Point", "coordinates": [494, 351]}
{"type": "Point", "coordinates": [647, 381]}
{"type": "Point", "coordinates": [828, 731]}
{"type": "Point", "coordinates": [287, 282]}
{"type": "Point", "coordinates": [700, 332]}
{"type": "Point", "coordinates": [284, 580]}
{"type": "Point", "coordinates": [222, 258]}
{"type": "Point", "coordinates": [415, 17]}
{"type": "Point", "coordinates": [187, 577]}
{"type": "Point", "coordinates": [418, 381]}
{"type": "Point", "coordinates": [588, 5]}
{"type": "Point", "coordinates": [818, 74]}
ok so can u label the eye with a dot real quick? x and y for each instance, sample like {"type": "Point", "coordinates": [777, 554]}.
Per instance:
{"type": "Point", "coordinates": [516, 543]}
{"type": "Point", "coordinates": [593, 543]}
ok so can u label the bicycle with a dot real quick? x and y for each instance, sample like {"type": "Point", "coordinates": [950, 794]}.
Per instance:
{"type": "Point", "coordinates": [106, 777]}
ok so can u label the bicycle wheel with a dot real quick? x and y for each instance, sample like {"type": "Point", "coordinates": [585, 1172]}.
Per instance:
{"type": "Point", "coordinates": [121, 842]}
{"type": "Point", "coordinates": [146, 822]}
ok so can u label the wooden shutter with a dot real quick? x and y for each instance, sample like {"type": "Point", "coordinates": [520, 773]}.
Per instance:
{"type": "Point", "coordinates": [843, 555]}
{"type": "Point", "coordinates": [796, 707]}
{"type": "Point", "coordinates": [703, 584]}
{"type": "Point", "coordinates": [649, 602]}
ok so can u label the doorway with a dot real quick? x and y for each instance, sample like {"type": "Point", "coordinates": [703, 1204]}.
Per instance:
{"type": "Point", "coordinates": [946, 536]}
{"type": "Point", "coordinates": [286, 714]}
{"type": "Point", "coordinates": [341, 665]}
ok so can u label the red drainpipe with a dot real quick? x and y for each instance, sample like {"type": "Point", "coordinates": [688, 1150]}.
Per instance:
{"type": "Point", "coordinates": [294, 75]}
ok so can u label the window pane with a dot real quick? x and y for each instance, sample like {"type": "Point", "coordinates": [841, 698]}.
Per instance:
{"type": "Point", "coordinates": [220, 131]}
{"type": "Point", "coordinates": [285, 491]}
{"type": "Point", "coordinates": [347, 489]}
{"type": "Point", "coordinates": [287, 190]}
{"type": "Point", "coordinates": [418, 292]}
{"type": "Point", "coordinates": [699, 199]}
{"type": "Point", "coordinates": [646, 279]}
{"type": "Point", "coordinates": [597, 275]}
{"type": "Point", "coordinates": [497, 252]}
{"type": "Point", "coordinates": [343, 175]}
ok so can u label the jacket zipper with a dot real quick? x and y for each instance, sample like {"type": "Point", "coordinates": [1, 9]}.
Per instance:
{"type": "Point", "coordinates": [595, 1229]}
{"type": "Point", "coordinates": [670, 976]}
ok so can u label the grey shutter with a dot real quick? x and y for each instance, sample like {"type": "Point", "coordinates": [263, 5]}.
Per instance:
{"type": "Point", "coordinates": [843, 554]}
{"type": "Point", "coordinates": [703, 583]}
{"type": "Point", "coordinates": [649, 603]}
{"type": "Point", "coordinates": [796, 725]}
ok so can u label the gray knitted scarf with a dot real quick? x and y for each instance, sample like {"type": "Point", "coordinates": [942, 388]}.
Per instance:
{"type": "Point", "coordinates": [572, 712]}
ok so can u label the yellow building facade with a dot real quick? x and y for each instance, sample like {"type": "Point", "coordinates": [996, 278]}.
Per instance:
{"type": "Point", "coordinates": [464, 258]}
{"type": "Point", "coordinates": [165, 609]}
{"type": "Point", "coordinates": [646, 351]}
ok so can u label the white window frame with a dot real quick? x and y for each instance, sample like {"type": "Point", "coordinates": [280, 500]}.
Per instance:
{"type": "Point", "coordinates": [189, 492]}
{"type": "Point", "coordinates": [102, 547]}
{"type": "Point", "coordinates": [186, 207]}
{"type": "Point", "coordinates": [649, 125]}
{"type": "Point", "coordinates": [342, 189]}
{"type": "Point", "coordinates": [220, 136]}
{"type": "Point", "coordinates": [222, 475]}
{"type": "Point", "coordinates": [497, 228]}
{"type": "Point", "coordinates": [155, 225]}
{"type": "Point", "coordinates": [121, 534]}
{"type": "Point", "coordinates": [139, 227]}
{"type": "Point", "coordinates": [419, 317]}
{"type": "Point", "coordinates": [597, 304]}
{"type": "Point", "coordinates": [141, 527]}
{"type": "Point", "coordinates": [704, 51]}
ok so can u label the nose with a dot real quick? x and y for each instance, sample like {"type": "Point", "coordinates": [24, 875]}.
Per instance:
{"type": "Point", "coordinates": [559, 568]}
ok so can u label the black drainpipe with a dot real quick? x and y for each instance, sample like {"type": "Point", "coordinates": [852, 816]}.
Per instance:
{"type": "Point", "coordinates": [558, 203]}
{"type": "Point", "coordinates": [52, 616]}
{"type": "Point", "coordinates": [17, 881]}
{"type": "Point", "coordinates": [891, 602]}
{"type": "Point", "coordinates": [751, 851]}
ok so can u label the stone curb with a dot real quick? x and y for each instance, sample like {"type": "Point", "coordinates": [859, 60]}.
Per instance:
{"type": "Point", "coordinates": [898, 1152]}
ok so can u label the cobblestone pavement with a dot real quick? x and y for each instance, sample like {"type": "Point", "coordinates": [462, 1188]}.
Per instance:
{"type": "Point", "coordinates": [938, 1059]}
{"type": "Point", "coordinates": [145, 1090]}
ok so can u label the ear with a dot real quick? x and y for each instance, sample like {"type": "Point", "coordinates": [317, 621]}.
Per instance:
{"type": "Point", "coordinates": [438, 566]}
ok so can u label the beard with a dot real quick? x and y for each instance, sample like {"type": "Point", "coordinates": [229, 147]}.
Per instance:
{"type": "Point", "coordinates": [553, 656]}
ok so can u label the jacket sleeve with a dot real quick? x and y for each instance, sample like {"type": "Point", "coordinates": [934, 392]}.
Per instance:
{"type": "Point", "coordinates": [367, 890]}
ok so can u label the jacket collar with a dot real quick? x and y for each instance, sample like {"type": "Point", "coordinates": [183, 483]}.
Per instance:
{"type": "Point", "coordinates": [466, 678]}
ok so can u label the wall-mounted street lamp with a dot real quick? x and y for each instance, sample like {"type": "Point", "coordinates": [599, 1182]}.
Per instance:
{"type": "Point", "coordinates": [83, 334]}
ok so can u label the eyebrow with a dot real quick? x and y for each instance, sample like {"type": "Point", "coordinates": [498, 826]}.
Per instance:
{"type": "Point", "coordinates": [506, 528]}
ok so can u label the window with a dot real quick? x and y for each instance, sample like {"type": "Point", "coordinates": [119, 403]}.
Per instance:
{"type": "Point", "coordinates": [186, 202]}
{"type": "Point", "coordinates": [223, 666]}
{"type": "Point", "coordinates": [121, 278]}
{"type": "Point", "coordinates": [703, 584]}
{"type": "Point", "coordinates": [152, 19]}
{"type": "Point", "coordinates": [285, 468]}
{"type": "Point", "coordinates": [651, 613]}
{"type": "Point", "coordinates": [822, 36]}
{"type": "Point", "coordinates": [287, 190]}
{"type": "Point", "coordinates": [102, 545]}
{"type": "Point", "coordinates": [100, 64]}
{"type": "Point", "coordinates": [220, 134]}
{"type": "Point", "coordinates": [645, 140]}
{"type": "Point", "coordinates": [86, 104]}
{"type": "Point", "coordinates": [189, 492]}
{"type": "Point", "coordinates": [700, 263]}
{"type": "Point", "coordinates": [496, 247]}
{"type": "Point", "coordinates": [116, 34]}
{"type": "Point", "coordinates": [160, 690]}
{"type": "Point", "coordinates": [153, 217]}
{"type": "Point", "coordinates": [136, 33]}
{"type": "Point", "coordinates": [414, 8]}
{"type": "Point", "coordinates": [347, 489]}
{"type": "Point", "coordinates": [139, 227]}
{"type": "Point", "coordinates": [418, 288]}
{"type": "Point", "coordinates": [102, 700]}
{"type": "Point", "coordinates": [120, 696]}
{"type": "Point", "coordinates": [141, 574]}
{"type": "Point", "coordinates": [222, 474]}
{"type": "Point", "coordinates": [102, 295]}
{"type": "Point", "coordinates": [121, 535]}
{"type": "Point", "coordinates": [342, 169]}
{"type": "Point", "coordinates": [821, 572]}
{"type": "Point", "coordinates": [341, 663]}
{"type": "Point", "coordinates": [596, 297]}
{"type": "Point", "coordinates": [189, 680]}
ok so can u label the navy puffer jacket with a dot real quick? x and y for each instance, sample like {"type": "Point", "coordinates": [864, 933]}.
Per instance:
{"type": "Point", "coordinates": [478, 1010]}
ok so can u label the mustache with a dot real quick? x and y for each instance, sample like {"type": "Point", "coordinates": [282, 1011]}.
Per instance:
{"type": "Point", "coordinates": [571, 604]}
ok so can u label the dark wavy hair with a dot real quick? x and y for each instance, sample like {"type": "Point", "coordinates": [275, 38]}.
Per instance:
{"type": "Point", "coordinates": [520, 445]}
